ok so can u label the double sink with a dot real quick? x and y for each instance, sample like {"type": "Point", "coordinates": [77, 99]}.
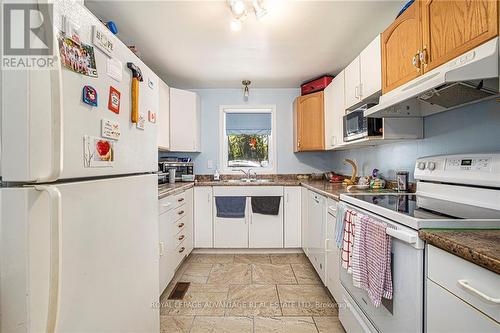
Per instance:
{"type": "Point", "coordinates": [248, 180]}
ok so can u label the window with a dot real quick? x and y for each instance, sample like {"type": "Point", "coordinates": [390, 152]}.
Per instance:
{"type": "Point", "coordinates": [248, 138]}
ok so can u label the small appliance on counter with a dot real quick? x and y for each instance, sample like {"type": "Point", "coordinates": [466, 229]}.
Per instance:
{"type": "Point", "coordinates": [357, 126]}
{"type": "Point", "coordinates": [181, 168]}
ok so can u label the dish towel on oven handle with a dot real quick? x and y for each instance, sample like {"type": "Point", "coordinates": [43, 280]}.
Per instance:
{"type": "Point", "coordinates": [339, 224]}
{"type": "Point", "coordinates": [357, 254]}
{"type": "Point", "coordinates": [374, 253]}
{"type": "Point", "coordinates": [347, 240]}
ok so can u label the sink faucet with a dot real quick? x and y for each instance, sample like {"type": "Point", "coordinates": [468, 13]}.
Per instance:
{"type": "Point", "coordinates": [248, 174]}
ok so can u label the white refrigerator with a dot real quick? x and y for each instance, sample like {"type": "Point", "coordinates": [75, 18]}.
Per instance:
{"type": "Point", "coordinates": [79, 220]}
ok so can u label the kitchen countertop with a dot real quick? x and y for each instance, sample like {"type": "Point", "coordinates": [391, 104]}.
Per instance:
{"type": "Point", "coordinates": [169, 189]}
{"type": "Point", "coordinates": [481, 247]}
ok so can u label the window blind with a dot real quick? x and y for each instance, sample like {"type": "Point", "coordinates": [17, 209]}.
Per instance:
{"type": "Point", "coordinates": [248, 123]}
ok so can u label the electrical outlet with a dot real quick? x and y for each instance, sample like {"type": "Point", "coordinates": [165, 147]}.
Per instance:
{"type": "Point", "coordinates": [210, 164]}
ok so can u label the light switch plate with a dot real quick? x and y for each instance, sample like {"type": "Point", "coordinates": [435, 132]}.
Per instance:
{"type": "Point", "coordinates": [210, 164]}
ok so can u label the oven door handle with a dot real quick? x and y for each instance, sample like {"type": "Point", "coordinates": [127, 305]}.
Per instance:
{"type": "Point", "coordinates": [402, 235]}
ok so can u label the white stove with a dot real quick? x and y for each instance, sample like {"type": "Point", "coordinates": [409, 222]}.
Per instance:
{"type": "Point", "coordinates": [453, 191]}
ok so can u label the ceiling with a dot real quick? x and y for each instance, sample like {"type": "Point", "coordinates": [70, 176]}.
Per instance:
{"type": "Point", "coordinates": [189, 44]}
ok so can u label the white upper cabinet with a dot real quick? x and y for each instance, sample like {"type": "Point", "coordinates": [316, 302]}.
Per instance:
{"type": "Point", "coordinates": [370, 70]}
{"type": "Point", "coordinates": [164, 116]}
{"type": "Point", "coordinates": [352, 81]}
{"type": "Point", "coordinates": [363, 76]}
{"type": "Point", "coordinates": [334, 112]}
{"type": "Point", "coordinates": [184, 121]}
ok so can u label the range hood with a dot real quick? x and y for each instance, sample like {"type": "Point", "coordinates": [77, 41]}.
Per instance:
{"type": "Point", "coordinates": [469, 78]}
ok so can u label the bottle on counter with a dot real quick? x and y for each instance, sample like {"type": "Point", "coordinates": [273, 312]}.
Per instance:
{"type": "Point", "coordinates": [216, 175]}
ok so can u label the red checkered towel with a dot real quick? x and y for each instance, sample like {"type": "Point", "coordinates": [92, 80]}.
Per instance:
{"type": "Point", "coordinates": [348, 239]}
{"type": "Point", "coordinates": [375, 260]}
{"type": "Point", "coordinates": [356, 253]}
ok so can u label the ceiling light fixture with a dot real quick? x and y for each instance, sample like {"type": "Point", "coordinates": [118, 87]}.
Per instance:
{"type": "Point", "coordinates": [239, 11]}
{"type": "Point", "coordinates": [246, 91]}
{"type": "Point", "coordinates": [260, 9]}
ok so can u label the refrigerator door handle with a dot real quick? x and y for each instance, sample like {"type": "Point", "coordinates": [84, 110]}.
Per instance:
{"type": "Point", "coordinates": [57, 130]}
{"type": "Point", "coordinates": [55, 247]}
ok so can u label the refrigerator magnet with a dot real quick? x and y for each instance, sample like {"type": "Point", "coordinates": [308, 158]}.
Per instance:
{"type": "Point", "coordinates": [77, 57]}
{"type": "Point", "coordinates": [114, 100]}
{"type": "Point", "coordinates": [89, 96]}
{"type": "Point", "coordinates": [152, 117]}
{"type": "Point", "coordinates": [97, 152]}
{"type": "Point", "coordinates": [102, 41]}
{"type": "Point", "coordinates": [110, 129]}
{"type": "Point", "coordinates": [141, 122]}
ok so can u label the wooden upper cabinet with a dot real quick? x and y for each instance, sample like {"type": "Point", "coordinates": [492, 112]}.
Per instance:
{"type": "Point", "coordinates": [401, 44]}
{"type": "Point", "coordinates": [451, 28]}
{"type": "Point", "coordinates": [309, 122]}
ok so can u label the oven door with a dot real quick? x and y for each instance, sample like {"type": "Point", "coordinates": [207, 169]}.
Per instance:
{"type": "Point", "coordinates": [404, 313]}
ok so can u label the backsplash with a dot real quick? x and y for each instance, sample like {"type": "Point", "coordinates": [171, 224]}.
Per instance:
{"type": "Point", "coordinates": [470, 129]}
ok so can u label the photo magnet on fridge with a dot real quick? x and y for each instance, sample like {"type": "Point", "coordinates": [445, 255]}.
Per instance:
{"type": "Point", "coordinates": [152, 117]}
{"type": "Point", "coordinates": [89, 96]}
{"type": "Point", "coordinates": [76, 57]}
{"type": "Point", "coordinates": [141, 122]}
{"type": "Point", "coordinates": [97, 152]}
{"type": "Point", "coordinates": [114, 100]}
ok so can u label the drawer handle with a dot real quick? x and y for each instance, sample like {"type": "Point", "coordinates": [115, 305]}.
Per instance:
{"type": "Point", "coordinates": [180, 200]}
{"type": "Point", "coordinates": [180, 212]}
{"type": "Point", "coordinates": [181, 225]}
{"type": "Point", "coordinates": [182, 249]}
{"type": "Point", "coordinates": [465, 285]}
{"type": "Point", "coordinates": [162, 249]}
{"type": "Point", "coordinates": [181, 237]}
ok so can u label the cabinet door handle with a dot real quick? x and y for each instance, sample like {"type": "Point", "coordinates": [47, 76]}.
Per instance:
{"type": "Point", "coordinates": [180, 212]}
{"type": "Point", "coordinates": [356, 92]}
{"type": "Point", "coordinates": [162, 249]}
{"type": "Point", "coordinates": [181, 237]}
{"type": "Point", "coordinates": [416, 60]}
{"type": "Point", "coordinates": [423, 56]}
{"type": "Point", "coordinates": [465, 285]}
{"type": "Point", "coordinates": [360, 91]}
{"type": "Point", "coordinates": [182, 249]}
{"type": "Point", "coordinates": [327, 245]}
{"type": "Point", "coordinates": [298, 143]}
{"type": "Point", "coordinates": [180, 200]}
{"type": "Point", "coordinates": [180, 225]}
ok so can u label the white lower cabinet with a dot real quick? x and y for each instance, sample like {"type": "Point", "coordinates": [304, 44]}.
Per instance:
{"type": "Point", "coordinates": [292, 217]}
{"type": "Point", "coordinates": [203, 226]}
{"type": "Point", "coordinates": [265, 231]}
{"type": "Point", "coordinates": [332, 275]}
{"type": "Point", "coordinates": [469, 294]}
{"type": "Point", "coordinates": [230, 232]}
{"type": "Point", "coordinates": [317, 232]}
{"type": "Point", "coordinates": [175, 233]}
{"type": "Point", "coordinates": [304, 212]}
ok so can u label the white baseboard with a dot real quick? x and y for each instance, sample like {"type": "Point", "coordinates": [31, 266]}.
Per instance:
{"type": "Point", "coordinates": [246, 251]}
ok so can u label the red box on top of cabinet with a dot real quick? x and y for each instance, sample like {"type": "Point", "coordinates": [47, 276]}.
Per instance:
{"type": "Point", "coordinates": [316, 84]}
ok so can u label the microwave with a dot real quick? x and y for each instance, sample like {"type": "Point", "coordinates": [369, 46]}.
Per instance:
{"type": "Point", "coordinates": [357, 126]}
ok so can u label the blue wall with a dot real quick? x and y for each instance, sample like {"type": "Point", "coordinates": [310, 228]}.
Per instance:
{"type": "Point", "coordinates": [288, 162]}
{"type": "Point", "coordinates": [473, 128]}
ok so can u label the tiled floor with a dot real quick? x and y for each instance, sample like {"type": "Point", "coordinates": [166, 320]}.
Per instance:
{"type": "Point", "coordinates": [254, 293]}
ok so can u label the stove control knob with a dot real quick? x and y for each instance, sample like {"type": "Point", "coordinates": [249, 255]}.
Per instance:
{"type": "Point", "coordinates": [421, 165]}
{"type": "Point", "coordinates": [431, 166]}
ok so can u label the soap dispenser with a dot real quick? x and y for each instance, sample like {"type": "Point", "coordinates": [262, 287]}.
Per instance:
{"type": "Point", "coordinates": [216, 175]}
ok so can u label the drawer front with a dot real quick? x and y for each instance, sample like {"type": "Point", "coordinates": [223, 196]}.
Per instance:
{"type": "Point", "coordinates": [182, 250]}
{"type": "Point", "coordinates": [171, 202]}
{"type": "Point", "coordinates": [180, 236]}
{"type": "Point", "coordinates": [178, 226]}
{"type": "Point", "coordinates": [176, 214]}
{"type": "Point", "coordinates": [448, 313]}
{"type": "Point", "coordinates": [466, 280]}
